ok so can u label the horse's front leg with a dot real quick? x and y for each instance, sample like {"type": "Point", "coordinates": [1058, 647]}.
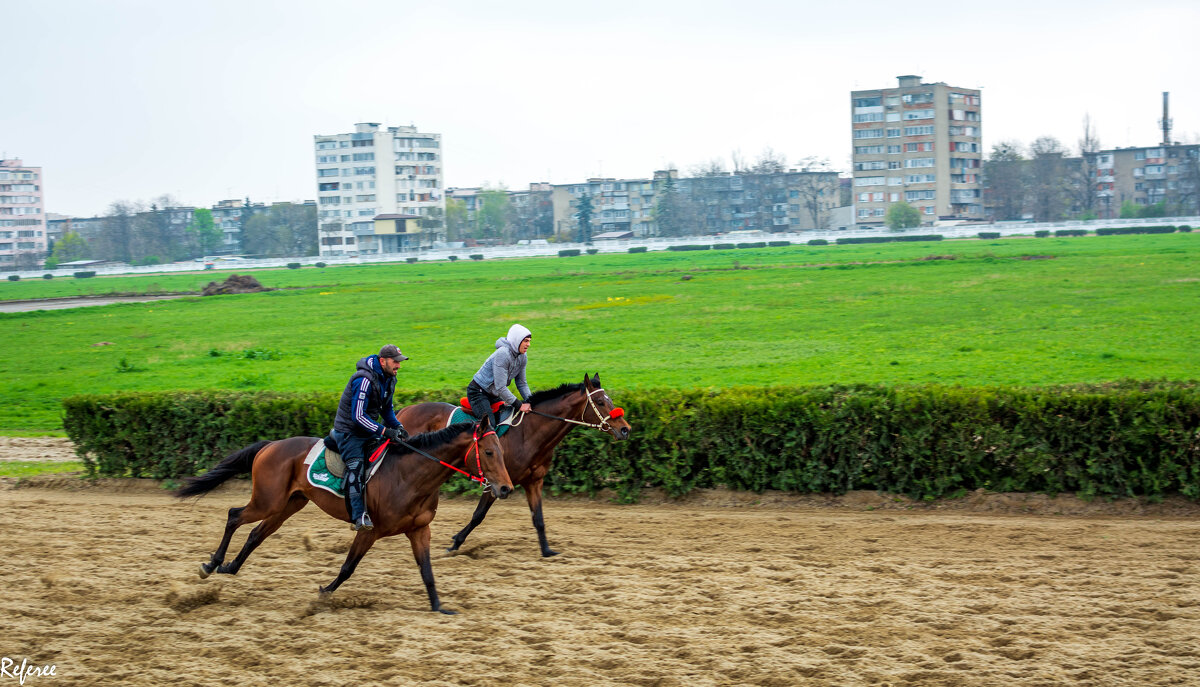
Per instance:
{"type": "Point", "coordinates": [363, 541]}
{"type": "Point", "coordinates": [485, 502]}
{"type": "Point", "coordinates": [419, 538]}
{"type": "Point", "coordinates": [533, 494]}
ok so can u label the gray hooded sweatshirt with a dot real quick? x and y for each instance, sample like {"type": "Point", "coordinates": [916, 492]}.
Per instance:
{"type": "Point", "coordinates": [505, 365]}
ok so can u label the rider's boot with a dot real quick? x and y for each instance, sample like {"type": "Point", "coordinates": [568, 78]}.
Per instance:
{"type": "Point", "coordinates": [359, 520]}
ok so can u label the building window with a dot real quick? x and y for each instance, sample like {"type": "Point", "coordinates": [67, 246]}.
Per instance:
{"type": "Point", "coordinates": [893, 150]}
{"type": "Point", "coordinates": [893, 133]}
{"type": "Point", "coordinates": [868, 133]}
{"type": "Point", "coordinates": [868, 150]}
{"type": "Point", "coordinates": [918, 114]}
{"type": "Point", "coordinates": [868, 181]}
{"type": "Point", "coordinates": [926, 130]}
{"type": "Point", "coordinates": [331, 172]}
{"type": "Point", "coordinates": [929, 209]}
{"type": "Point", "coordinates": [919, 162]}
{"type": "Point", "coordinates": [868, 117]}
{"type": "Point", "coordinates": [895, 197]}
{"type": "Point", "coordinates": [895, 181]}
{"type": "Point", "coordinates": [872, 101]}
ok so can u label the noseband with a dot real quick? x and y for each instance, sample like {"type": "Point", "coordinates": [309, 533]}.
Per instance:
{"type": "Point", "coordinates": [602, 425]}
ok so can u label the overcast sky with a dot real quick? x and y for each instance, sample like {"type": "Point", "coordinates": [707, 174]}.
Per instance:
{"type": "Point", "coordinates": [206, 100]}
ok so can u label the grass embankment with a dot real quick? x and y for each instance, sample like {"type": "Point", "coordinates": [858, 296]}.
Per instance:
{"type": "Point", "coordinates": [31, 468]}
{"type": "Point", "coordinates": [1085, 310]}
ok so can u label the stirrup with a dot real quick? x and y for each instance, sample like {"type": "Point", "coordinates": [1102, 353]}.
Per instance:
{"type": "Point", "coordinates": [362, 523]}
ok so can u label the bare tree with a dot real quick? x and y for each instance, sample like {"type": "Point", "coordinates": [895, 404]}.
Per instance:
{"type": "Point", "coordinates": [713, 168]}
{"type": "Point", "coordinates": [1004, 180]}
{"type": "Point", "coordinates": [818, 190]}
{"type": "Point", "coordinates": [769, 162]}
{"type": "Point", "coordinates": [1046, 178]}
{"type": "Point", "coordinates": [1081, 173]}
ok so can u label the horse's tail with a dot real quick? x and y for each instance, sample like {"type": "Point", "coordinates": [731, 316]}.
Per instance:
{"type": "Point", "coordinates": [234, 464]}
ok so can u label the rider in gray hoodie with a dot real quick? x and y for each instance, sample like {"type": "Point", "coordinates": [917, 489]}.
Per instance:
{"type": "Point", "coordinates": [490, 383]}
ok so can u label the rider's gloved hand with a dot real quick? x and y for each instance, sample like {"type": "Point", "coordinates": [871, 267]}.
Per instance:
{"type": "Point", "coordinates": [397, 433]}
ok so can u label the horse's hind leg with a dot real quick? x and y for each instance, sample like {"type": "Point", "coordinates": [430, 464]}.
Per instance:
{"type": "Point", "coordinates": [533, 494]}
{"type": "Point", "coordinates": [485, 502]}
{"type": "Point", "coordinates": [362, 543]}
{"type": "Point", "coordinates": [266, 528]}
{"type": "Point", "coordinates": [218, 556]}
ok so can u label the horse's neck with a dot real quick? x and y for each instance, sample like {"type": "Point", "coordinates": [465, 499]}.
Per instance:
{"type": "Point", "coordinates": [549, 432]}
{"type": "Point", "coordinates": [428, 475]}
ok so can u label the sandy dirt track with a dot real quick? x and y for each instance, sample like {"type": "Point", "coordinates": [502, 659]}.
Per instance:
{"type": "Point", "coordinates": [103, 585]}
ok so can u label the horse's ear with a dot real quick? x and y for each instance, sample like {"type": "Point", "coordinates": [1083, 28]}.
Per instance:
{"type": "Point", "coordinates": [596, 381]}
{"type": "Point", "coordinates": [485, 424]}
{"type": "Point", "coordinates": [587, 381]}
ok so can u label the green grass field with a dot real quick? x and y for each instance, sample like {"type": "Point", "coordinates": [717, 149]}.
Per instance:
{"type": "Point", "coordinates": [1082, 310]}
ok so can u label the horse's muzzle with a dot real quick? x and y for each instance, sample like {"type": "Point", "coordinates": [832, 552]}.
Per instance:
{"type": "Point", "coordinates": [502, 491]}
{"type": "Point", "coordinates": [624, 432]}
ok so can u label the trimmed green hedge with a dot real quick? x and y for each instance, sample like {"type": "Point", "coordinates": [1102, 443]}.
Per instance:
{"type": "Point", "coordinates": [752, 244]}
{"type": "Point", "coordinates": [888, 239]}
{"type": "Point", "coordinates": [1114, 231]}
{"type": "Point", "coordinates": [724, 246]}
{"type": "Point", "coordinates": [568, 253]}
{"type": "Point", "coordinates": [1070, 232]}
{"type": "Point", "coordinates": [637, 249]}
{"type": "Point", "coordinates": [1041, 233]}
{"type": "Point", "coordinates": [989, 234]}
{"type": "Point", "coordinates": [818, 242]}
{"type": "Point", "coordinates": [692, 246]}
{"type": "Point", "coordinates": [779, 244]}
{"type": "Point", "coordinates": [1121, 439]}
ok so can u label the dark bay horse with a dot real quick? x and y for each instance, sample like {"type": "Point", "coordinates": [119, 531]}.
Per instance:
{"type": "Point", "coordinates": [529, 445]}
{"type": "Point", "coordinates": [402, 497]}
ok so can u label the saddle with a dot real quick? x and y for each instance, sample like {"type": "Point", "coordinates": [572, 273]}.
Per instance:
{"type": "Point", "coordinates": [501, 417]}
{"type": "Point", "coordinates": [333, 458]}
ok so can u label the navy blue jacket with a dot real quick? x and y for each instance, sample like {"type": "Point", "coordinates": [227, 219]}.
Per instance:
{"type": "Point", "coordinates": [367, 398]}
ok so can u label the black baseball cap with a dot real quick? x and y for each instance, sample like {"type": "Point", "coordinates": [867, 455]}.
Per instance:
{"type": "Point", "coordinates": [390, 351]}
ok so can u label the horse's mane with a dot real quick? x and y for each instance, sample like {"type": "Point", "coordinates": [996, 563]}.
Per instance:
{"type": "Point", "coordinates": [549, 394]}
{"type": "Point", "coordinates": [439, 437]}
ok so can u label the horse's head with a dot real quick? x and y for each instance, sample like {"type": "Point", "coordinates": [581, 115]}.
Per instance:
{"type": "Point", "coordinates": [489, 459]}
{"type": "Point", "coordinates": [602, 410]}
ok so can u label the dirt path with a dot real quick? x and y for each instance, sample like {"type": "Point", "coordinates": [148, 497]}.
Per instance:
{"type": "Point", "coordinates": [103, 585]}
{"type": "Point", "coordinates": [48, 449]}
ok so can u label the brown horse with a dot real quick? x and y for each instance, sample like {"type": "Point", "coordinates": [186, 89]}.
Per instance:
{"type": "Point", "coordinates": [529, 445]}
{"type": "Point", "coordinates": [402, 497]}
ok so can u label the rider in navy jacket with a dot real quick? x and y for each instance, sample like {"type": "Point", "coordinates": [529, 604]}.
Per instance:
{"type": "Point", "coordinates": [364, 413]}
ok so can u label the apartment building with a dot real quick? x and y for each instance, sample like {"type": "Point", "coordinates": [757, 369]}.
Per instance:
{"type": "Point", "coordinates": [374, 171]}
{"type": "Point", "coordinates": [22, 215]}
{"type": "Point", "coordinates": [920, 143]}
{"type": "Point", "coordinates": [228, 216]}
{"type": "Point", "coordinates": [1147, 175]}
{"type": "Point", "coordinates": [617, 205]}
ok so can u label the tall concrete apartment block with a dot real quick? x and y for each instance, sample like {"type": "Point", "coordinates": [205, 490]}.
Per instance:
{"type": "Point", "coordinates": [376, 171]}
{"type": "Point", "coordinates": [919, 143]}
{"type": "Point", "coordinates": [22, 216]}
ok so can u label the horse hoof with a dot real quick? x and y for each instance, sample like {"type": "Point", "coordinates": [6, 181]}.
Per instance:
{"type": "Point", "coordinates": [446, 611]}
{"type": "Point", "coordinates": [548, 553]}
{"type": "Point", "coordinates": [205, 571]}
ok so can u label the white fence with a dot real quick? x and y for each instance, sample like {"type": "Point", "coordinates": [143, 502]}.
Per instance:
{"type": "Point", "coordinates": [623, 245]}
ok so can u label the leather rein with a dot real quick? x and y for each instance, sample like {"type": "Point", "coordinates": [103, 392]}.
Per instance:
{"type": "Point", "coordinates": [602, 425]}
{"type": "Point", "coordinates": [474, 447]}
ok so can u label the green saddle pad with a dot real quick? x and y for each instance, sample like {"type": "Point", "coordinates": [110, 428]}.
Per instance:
{"type": "Point", "coordinates": [320, 476]}
{"type": "Point", "coordinates": [460, 415]}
